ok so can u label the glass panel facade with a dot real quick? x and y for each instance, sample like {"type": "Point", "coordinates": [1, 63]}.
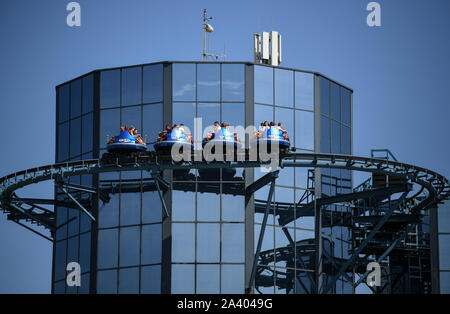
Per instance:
{"type": "Point", "coordinates": [207, 225]}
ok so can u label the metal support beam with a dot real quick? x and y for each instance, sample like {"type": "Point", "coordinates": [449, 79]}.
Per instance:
{"type": "Point", "coordinates": [78, 203]}
{"type": "Point", "coordinates": [32, 230]}
{"type": "Point", "coordinates": [161, 197]}
{"type": "Point", "coordinates": [261, 233]}
{"type": "Point", "coordinates": [355, 254]}
{"type": "Point", "coordinates": [33, 217]}
{"type": "Point", "coordinates": [263, 181]}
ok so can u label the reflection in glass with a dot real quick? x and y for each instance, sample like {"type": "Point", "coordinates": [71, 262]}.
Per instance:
{"type": "Point", "coordinates": [263, 85]}
{"type": "Point", "coordinates": [284, 88]}
{"type": "Point", "coordinates": [60, 260]}
{"type": "Point", "coordinates": [325, 96]}
{"type": "Point", "coordinates": [153, 83]}
{"type": "Point", "coordinates": [184, 113]}
{"type": "Point", "coordinates": [151, 244]}
{"type": "Point", "coordinates": [208, 277]}
{"type": "Point", "coordinates": [183, 80]}
{"type": "Point", "coordinates": [208, 82]}
{"type": "Point", "coordinates": [234, 114]}
{"type": "Point", "coordinates": [130, 209]}
{"type": "Point", "coordinates": [208, 207]}
{"type": "Point", "coordinates": [335, 137]}
{"type": "Point", "coordinates": [75, 137]}
{"type": "Point", "coordinates": [208, 242]}
{"type": "Point", "coordinates": [232, 279]}
{"type": "Point", "coordinates": [325, 135]}
{"type": "Point", "coordinates": [88, 94]}
{"type": "Point", "coordinates": [152, 122]}
{"type": "Point", "coordinates": [109, 212]}
{"type": "Point", "coordinates": [346, 113]}
{"type": "Point", "coordinates": [233, 236]}
{"type": "Point", "coordinates": [304, 91]}
{"type": "Point", "coordinates": [63, 103]}
{"type": "Point", "coordinates": [444, 251]}
{"type": "Point", "coordinates": [87, 133]}
{"type": "Point", "coordinates": [183, 206]}
{"type": "Point", "coordinates": [151, 207]}
{"type": "Point", "coordinates": [335, 102]}
{"type": "Point", "coordinates": [63, 141]}
{"type": "Point", "coordinates": [304, 129]}
{"type": "Point", "coordinates": [209, 112]}
{"type": "Point", "coordinates": [233, 207]}
{"type": "Point", "coordinates": [263, 113]}
{"type": "Point", "coordinates": [129, 246]}
{"type": "Point", "coordinates": [129, 280]}
{"type": "Point", "coordinates": [183, 279]}
{"type": "Point", "coordinates": [346, 140]}
{"type": "Point", "coordinates": [108, 241]}
{"type": "Point", "coordinates": [131, 86]}
{"type": "Point", "coordinates": [132, 117]}
{"type": "Point", "coordinates": [151, 279]}
{"type": "Point", "coordinates": [109, 125]}
{"type": "Point", "coordinates": [75, 99]}
{"type": "Point", "coordinates": [183, 240]}
{"type": "Point", "coordinates": [286, 116]}
{"type": "Point", "coordinates": [233, 82]}
{"type": "Point", "coordinates": [110, 89]}
{"type": "Point", "coordinates": [107, 282]}
{"type": "Point", "coordinates": [85, 251]}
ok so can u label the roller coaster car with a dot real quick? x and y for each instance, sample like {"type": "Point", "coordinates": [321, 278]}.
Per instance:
{"type": "Point", "coordinates": [125, 142]}
{"type": "Point", "coordinates": [163, 148]}
{"type": "Point", "coordinates": [224, 137]}
{"type": "Point", "coordinates": [273, 136]}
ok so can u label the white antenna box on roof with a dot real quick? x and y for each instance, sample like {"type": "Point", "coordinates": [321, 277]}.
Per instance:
{"type": "Point", "coordinates": [267, 48]}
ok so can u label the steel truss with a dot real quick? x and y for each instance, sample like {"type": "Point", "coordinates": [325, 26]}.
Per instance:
{"type": "Point", "coordinates": [373, 211]}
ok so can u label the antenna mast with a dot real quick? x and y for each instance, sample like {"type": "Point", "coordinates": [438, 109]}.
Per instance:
{"type": "Point", "coordinates": [207, 28]}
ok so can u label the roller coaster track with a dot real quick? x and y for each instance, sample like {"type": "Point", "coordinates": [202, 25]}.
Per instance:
{"type": "Point", "coordinates": [431, 190]}
{"type": "Point", "coordinates": [435, 188]}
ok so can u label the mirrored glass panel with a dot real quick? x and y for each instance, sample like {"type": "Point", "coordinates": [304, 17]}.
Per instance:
{"type": "Point", "coordinates": [304, 91]}
{"type": "Point", "coordinates": [208, 207]}
{"type": "Point", "coordinates": [208, 242]}
{"type": "Point", "coordinates": [131, 86]}
{"type": "Point", "coordinates": [183, 80]}
{"type": "Point", "coordinates": [304, 129]}
{"type": "Point", "coordinates": [129, 280]}
{"type": "Point", "coordinates": [183, 206]}
{"type": "Point", "coordinates": [108, 241]}
{"type": "Point", "coordinates": [232, 279]}
{"type": "Point", "coordinates": [63, 103]}
{"type": "Point", "coordinates": [284, 88]}
{"type": "Point", "coordinates": [75, 137]}
{"type": "Point", "coordinates": [325, 134]}
{"type": "Point", "coordinates": [109, 125]}
{"type": "Point", "coordinates": [153, 83]}
{"type": "Point", "coordinates": [87, 133]}
{"type": "Point", "coordinates": [75, 99]}
{"type": "Point", "coordinates": [184, 113]}
{"type": "Point", "coordinates": [263, 113]}
{"type": "Point", "coordinates": [209, 112]}
{"type": "Point", "coordinates": [183, 240]}
{"type": "Point", "coordinates": [346, 114]}
{"type": "Point", "coordinates": [233, 242]}
{"type": "Point", "coordinates": [208, 82]}
{"type": "Point", "coordinates": [233, 207]}
{"type": "Point", "coordinates": [107, 282]}
{"type": "Point", "coordinates": [110, 89]}
{"type": "Point", "coordinates": [151, 207]}
{"type": "Point", "coordinates": [324, 96]}
{"type": "Point", "coordinates": [63, 141]}
{"type": "Point", "coordinates": [151, 244]}
{"type": "Point", "coordinates": [152, 122]}
{"type": "Point", "coordinates": [88, 94]}
{"type": "Point", "coordinates": [233, 82]}
{"type": "Point", "coordinates": [131, 116]}
{"type": "Point", "coordinates": [183, 279]}
{"type": "Point", "coordinates": [335, 101]}
{"type": "Point", "coordinates": [263, 84]}
{"type": "Point", "coordinates": [335, 137]}
{"type": "Point", "coordinates": [129, 246]}
{"type": "Point", "coordinates": [151, 279]}
{"type": "Point", "coordinates": [234, 114]}
{"type": "Point", "coordinates": [208, 278]}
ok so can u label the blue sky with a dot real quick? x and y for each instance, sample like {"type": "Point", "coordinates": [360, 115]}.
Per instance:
{"type": "Point", "coordinates": [399, 73]}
